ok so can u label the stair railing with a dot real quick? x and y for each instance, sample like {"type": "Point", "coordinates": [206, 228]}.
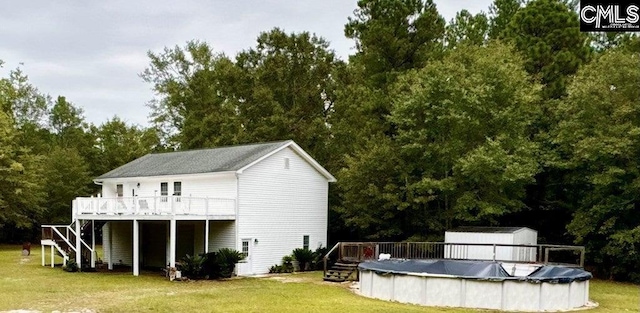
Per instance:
{"type": "Point", "coordinates": [56, 231]}
{"type": "Point", "coordinates": [82, 242]}
{"type": "Point", "coordinates": [67, 234]}
{"type": "Point", "coordinates": [325, 259]}
{"type": "Point", "coordinates": [65, 255]}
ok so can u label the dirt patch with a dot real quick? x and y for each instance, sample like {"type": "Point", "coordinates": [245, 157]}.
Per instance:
{"type": "Point", "coordinates": [288, 279]}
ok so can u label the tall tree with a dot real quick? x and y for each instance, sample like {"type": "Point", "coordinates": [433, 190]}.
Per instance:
{"type": "Point", "coordinates": [192, 109]}
{"type": "Point", "coordinates": [70, 130]}
{"type": "Point", "coordinates": [281, 89]}
{"type": "Point", "coordinates": [391, 37]}
{"type": "Point", "coordinates": [21, 190]}
{"type": "Point", "coordinates": [599, 135]}
{"type": "Point", "coordinates": [22, 101]}
{"type": "Point", "coordinates": [66, 177]}
{"type": "Point", "coordinates": [467, 28]}
{"type": "Point", "coordinates": [501, 13]}
{"type": "Point", "coordinates": [462, 151]}
{"type": "Point", "coordinates": [553, 46]}
{"type": "Point", "coordinates": [289, 91]}
{"type": "Point", "coordinates": [394, 36]}
{"type": "Point", "coordinates": [119, 143]}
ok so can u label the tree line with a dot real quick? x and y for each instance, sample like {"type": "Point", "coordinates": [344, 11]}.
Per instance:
{"type": "Point", "coordinates": [512, 118]}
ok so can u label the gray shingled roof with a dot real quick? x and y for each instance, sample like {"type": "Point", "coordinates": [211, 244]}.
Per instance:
{"type": "Point", "coordinates": [486, 229]}
{"type": "Point", "coordinates": [221, 159]}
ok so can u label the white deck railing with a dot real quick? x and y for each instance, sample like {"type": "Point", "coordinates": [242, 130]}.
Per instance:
{"type": "Point", "coordinates": [159, 205]}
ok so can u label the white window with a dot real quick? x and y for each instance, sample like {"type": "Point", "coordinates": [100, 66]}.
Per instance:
{"type": "Point", "coordinates": [164, 191]}
{"type": "Point", "coordinates": [119, 190]}
{"type": "Point", "coordinates": [177, 190]}
{"type": "Point", "coordinates": [245, 247]}
{"type": "Point", "coordinates": [286, 163]}
{"type": "Point", "coordinates": [305, 242]}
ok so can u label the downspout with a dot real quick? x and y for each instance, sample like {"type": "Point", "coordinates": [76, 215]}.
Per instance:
{"type": "Point", "coordinates": [238, 247]}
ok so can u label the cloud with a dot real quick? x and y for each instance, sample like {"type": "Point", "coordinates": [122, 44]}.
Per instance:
{"type": "Point", "coordinates": [92, 51]}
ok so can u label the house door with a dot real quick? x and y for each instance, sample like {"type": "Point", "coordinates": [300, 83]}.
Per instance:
{"type": "Point", "coordinates": [245, 266]}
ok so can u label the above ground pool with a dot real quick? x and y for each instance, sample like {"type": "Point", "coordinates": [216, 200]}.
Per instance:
{"type": "Point", "coordinates": [476, 284]}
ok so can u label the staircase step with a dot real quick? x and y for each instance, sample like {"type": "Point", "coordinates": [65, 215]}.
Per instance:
{"type": "Point", "coordinates": [337, 280]}
{"type": "Point", "coordinates": [344, 268]}
{"type": "Point", "coordinates": [346, 264]}
{"type": "Point", "coordinates": [340, 273]}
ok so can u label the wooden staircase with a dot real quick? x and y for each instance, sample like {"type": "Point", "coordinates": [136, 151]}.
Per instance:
{"type": "Point", "coordinates": [347, 256]}
{"type": "Point", "coordinates": [63, 239]}
{"type": "Point", "coordinates": [342, 271]}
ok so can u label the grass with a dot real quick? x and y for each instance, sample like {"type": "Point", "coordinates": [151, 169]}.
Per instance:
{"type": "Point", "coordinates": [25, 284]}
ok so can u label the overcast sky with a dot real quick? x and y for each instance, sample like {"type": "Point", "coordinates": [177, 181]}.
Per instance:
{"type": "Point", "coordinates": [92, 51]}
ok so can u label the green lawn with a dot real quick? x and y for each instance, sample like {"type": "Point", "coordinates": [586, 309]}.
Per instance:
{"type": "Point", "coordinates": [24, 284]}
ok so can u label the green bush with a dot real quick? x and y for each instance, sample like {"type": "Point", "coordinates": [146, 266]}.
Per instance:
{"type": "Point", "coordinates": [304, 257]}
{"type": "Point", "coordinates": [210, 266]}
{"type": "Point", "coordinates": [192, 266]}
{"type": "Point", "coordinates": [318, 255]}
{"type": "Point", "coordinates": [275, 269]}
{"type": "Point", "coordinates": [71, 266]}
{"type": "Point", "coordinates": [287, 264]}
{"type": "Point", "coordinates": [227, 259]}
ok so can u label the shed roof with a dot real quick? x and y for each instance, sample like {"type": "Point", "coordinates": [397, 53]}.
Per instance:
{"type": "Point", "coordinates": [222, 159]}
{"type": "Point", "coordinates": [487, 229]}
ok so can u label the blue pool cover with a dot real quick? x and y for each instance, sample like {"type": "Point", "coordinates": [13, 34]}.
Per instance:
{"type": "Point", "coordinates": [481, 270]}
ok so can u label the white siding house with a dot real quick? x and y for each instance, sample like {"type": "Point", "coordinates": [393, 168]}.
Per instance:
{"type": "Point", "coordinates": [263, 199]}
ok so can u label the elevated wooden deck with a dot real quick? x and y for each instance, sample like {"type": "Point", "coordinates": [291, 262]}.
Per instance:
{"type": "Point", "coordinates": [154, 208]}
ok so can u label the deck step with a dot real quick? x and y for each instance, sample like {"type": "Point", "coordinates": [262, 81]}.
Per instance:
{"type": "Point", "coordinates": [336, 280]}
{"type": "Point", "coordinates": [341, 271]}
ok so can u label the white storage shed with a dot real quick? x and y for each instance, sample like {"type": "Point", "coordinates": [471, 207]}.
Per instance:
{"type": "Point", "coordinates": [496, 243]}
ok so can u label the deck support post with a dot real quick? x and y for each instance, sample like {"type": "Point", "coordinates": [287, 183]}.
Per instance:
{"type": "Point", "coordinates": [52, 255]}
{"type": "Point", "coordinates": [172, 242]}
{"type": "Point", "coordinates": [206, 236]}
{"type": "Point", "coordinates": [110, 264]}
{"type": "Point", "coordinates": [42, 246]}
{"type": "Point", "coordinates": [136, 248]}
{"type": "Point", "coordinates": [78, 244]}
{"type": "Point", "coordinates": [93, 244]}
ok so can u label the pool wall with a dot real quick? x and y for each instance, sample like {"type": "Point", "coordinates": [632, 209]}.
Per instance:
{"type": "Point", "coordinates": [448, 291]}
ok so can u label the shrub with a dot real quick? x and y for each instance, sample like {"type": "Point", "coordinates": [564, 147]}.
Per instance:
{"type": "Point", "coordinates": [304, 257]}
{"type": "Point", "coordinates": [211, 266]}
{"type": "Point", "coordinates": [71, 266]}
{"type": "Point", "coordinates": [287, 264]}
{"type": "Point", "coordinates": [227, 259]}
{"type": "Point", "coordinates": [275, 269]}
{"type": "Point", "coordinates": [192, 266]}
{"type": "Point", "coordinates": [318, 255]}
